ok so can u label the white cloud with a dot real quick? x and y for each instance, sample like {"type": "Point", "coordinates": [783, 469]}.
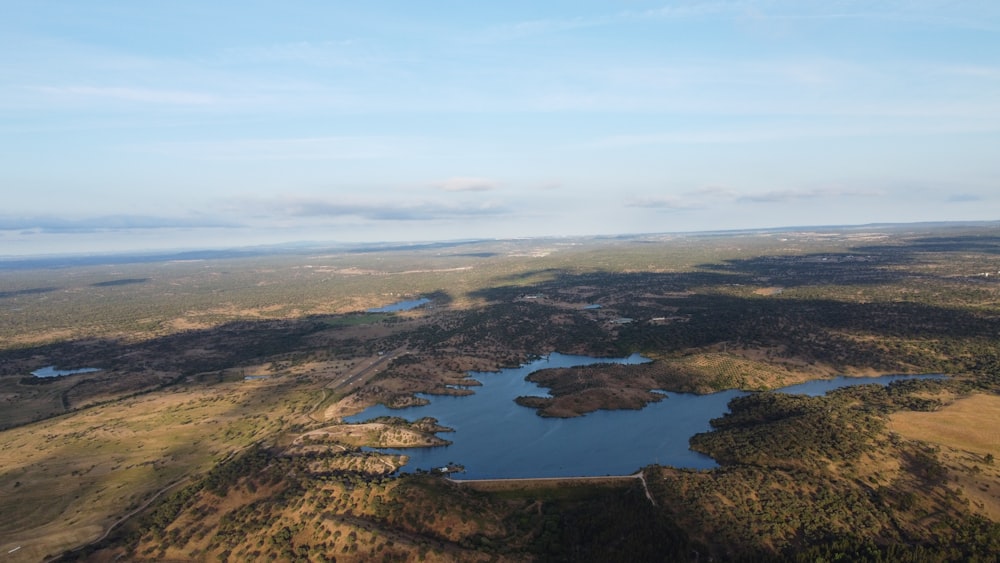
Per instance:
{"type": "Point", "coordinates": [713, 196]}
{"type": "Point", "coordinates": [309, 207]}
{"type": "Point", "coordinates": [965, 198]}
{"type": "Point", "coordinates": [52, 224]}
{"type": "Point", "coordinates": [467, 184]}
{"type": "Point", "coordinates": [667, 202]}
{"type": "Point", "coordinates": [720, 192]}
{"type": "Point", "coordinates": [777, 196]}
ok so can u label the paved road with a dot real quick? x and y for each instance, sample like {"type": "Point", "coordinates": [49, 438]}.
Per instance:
{"type": "Point", "coordinates": [362, 371]}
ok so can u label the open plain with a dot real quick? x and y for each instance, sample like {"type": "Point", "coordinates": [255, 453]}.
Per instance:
{"type": "Point", "coordinates": [213, 428]}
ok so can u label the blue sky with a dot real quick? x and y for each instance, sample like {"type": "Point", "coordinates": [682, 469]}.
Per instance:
{"type": "Point", "coordinates": [127, 125]}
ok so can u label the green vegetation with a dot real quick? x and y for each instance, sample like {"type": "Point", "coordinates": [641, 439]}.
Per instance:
{"type": "Point", "coordinates": [221, 381]}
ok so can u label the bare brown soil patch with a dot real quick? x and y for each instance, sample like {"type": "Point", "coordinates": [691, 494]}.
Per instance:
{"type": "Point", "coordinates": [767, 291]}
{"type": "Point", "coordinates": [349, 405]}
{"type": "Point", "coordinates": [188, 323]}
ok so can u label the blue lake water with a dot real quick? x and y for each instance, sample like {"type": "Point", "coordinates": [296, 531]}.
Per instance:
{"type": "Point", "coordinates": [821, 386]}
{"type": "Point", "coordinates": [51, 371]}
{"type": "Point", "coordinates": [496, 438]}
{"type": "Point", "coordinates": [401, 306]}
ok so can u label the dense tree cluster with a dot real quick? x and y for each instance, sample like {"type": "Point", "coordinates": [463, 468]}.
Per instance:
{"type": "Point", "coordinates": [801, 478]}
{"type": "Point", "coordinates": [777, 429]}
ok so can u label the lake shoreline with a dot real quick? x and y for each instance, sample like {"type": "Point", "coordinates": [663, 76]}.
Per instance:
{"type": "Point", "coordinates": [496, 438]}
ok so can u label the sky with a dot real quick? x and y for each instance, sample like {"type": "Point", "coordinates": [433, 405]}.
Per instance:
{"type": "Point", "coordinates": [189, 124]}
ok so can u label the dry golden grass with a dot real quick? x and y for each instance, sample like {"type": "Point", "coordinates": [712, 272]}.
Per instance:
{"type": "Point", "coordinates": [369, 463]}
{"type": "Point", "coordinates": [23, 403]}
{"type": "Point", "coordinates": [970, 423]}
{"type": "Point", "coordinates": [372, 434]}
{"type": "Point", "coordinates": [336, 519]}
{"type": "Point", "coordinates": [349, 405]}
{"type": "Point", "coordinates": [966, 431]}
{"type": "Point", "coordinates": [40, 337]}
{"type": "Point", "coordinates": [66, 479]}
{"type": "Point", "coordinates": [181, 324]}
{"type": "Point", "coordinates": [728, 370]}
{"type": "Point", "coordinates": [210, 518]}
{"type": "Point", "coordinates": [767, 291]}
{"type": "Point", "coordinates": [979, 482]}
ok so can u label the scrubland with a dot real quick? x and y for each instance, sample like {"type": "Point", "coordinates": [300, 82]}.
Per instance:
{"type": "Point", "coordinates": [213, 429]}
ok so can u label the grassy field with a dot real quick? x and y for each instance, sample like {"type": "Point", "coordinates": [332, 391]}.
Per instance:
{"type": "Point", "coordinates": [965, 432]}
{"type": "Point", "coordinates": [969, 423]}
{"type": "Point", "coordinates": [67, 478]}
{"type": "Point", "coordinates": [736, 310]}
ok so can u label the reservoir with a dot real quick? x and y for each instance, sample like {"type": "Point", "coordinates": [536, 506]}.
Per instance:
{"type": "Point", "coordinates": [496, 438]}
{"type": "Point", "coordinates": [400, 306]}
{"type": "Point", "coordinates": [51, 371]}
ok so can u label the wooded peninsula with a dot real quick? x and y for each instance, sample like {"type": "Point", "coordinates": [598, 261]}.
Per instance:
{"type": "Point", "coordinates": [209, 424]}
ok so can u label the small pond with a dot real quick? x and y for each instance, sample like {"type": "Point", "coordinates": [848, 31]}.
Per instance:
{"type": "Point", "coordinates": [51, 371]}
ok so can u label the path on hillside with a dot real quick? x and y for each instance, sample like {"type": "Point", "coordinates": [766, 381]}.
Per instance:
{"type": "Point", "coordinates": [122, 520]}
{"type": "Point", "coordinates": [642, 477]}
